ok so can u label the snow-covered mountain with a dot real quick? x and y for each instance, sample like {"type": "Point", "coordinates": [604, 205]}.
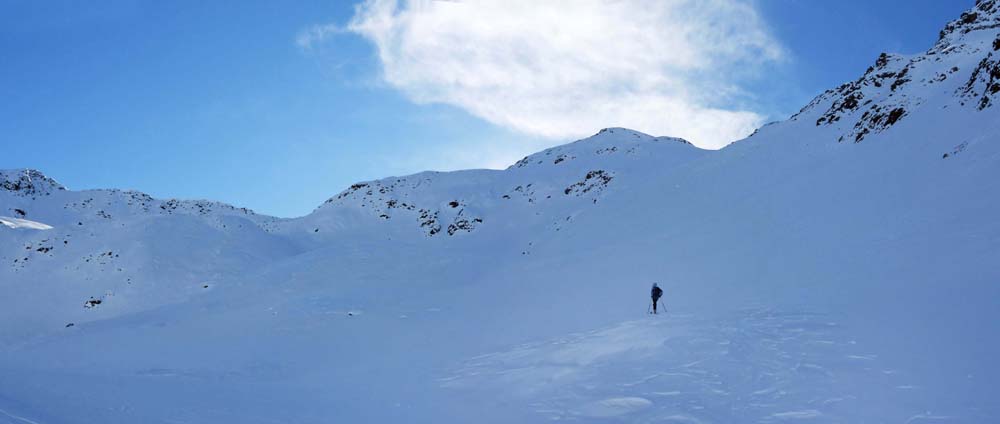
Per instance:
{"type": "Point", "coordinates": [77, 252]}
{"type": "Point", "coordinates": [839, 266]}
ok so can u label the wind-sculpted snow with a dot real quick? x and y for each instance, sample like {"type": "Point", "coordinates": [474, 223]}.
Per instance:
{"type": "Point", "coordinates": [757, 365]}
{"type": "Point", "coordinates": [804, 279]}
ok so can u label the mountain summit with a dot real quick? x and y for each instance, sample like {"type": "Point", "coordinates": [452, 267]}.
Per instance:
{"type": "Point", "coordinates": [27, 182]}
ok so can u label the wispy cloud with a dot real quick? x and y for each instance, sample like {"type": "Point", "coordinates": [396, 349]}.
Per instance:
{"type": "Point", "coordinates": [566, 68]}
{"type": "Point", "coordinates": [316, 34]}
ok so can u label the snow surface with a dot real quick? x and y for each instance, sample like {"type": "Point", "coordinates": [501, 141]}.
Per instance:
{"type": "Point", "coordinates": [23, 223]}
{"type": "Point", "coordinates": [810, 275]}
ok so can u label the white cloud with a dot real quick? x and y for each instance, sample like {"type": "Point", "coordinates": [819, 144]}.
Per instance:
{"type": "Point", "coordinates": [316, 34]}
{"type": "Point", "coordinates": [566, 68]}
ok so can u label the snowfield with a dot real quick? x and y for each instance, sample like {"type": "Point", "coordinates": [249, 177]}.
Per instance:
{"type": "Point", "coordinates": [840, 266]}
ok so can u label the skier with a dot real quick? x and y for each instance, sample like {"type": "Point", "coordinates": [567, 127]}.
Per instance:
{"type": "Point", "coordinates": [656, 292]}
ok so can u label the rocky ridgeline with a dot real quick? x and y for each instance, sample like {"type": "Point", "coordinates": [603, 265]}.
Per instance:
{"type": "Point", "coordinates": [28, 183]}
{"type": "Point", "coordinates": [441, 203]}
{"type": "Point", "coordinates": [107, 204]}
{"type": "Point", "coordinates": [592, 160]}
{"type": "Point", "coordinates": [873, 94]}
{"type": "Point", "coordinates": [984, 16]}
{"type": "Point", "coordinates": [896, 85]}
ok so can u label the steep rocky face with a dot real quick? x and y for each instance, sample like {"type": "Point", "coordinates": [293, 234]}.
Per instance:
{"type": "Point", "coordinates": [961, 69]}
{"type": "Point", "coordinates": [28, 183]}
{"type": "Point", "coordinates": [984, 83]}
{"type": "Point", "coordinates": [871, 96]}
{"type": "Point", "coordinates": [984, 16]}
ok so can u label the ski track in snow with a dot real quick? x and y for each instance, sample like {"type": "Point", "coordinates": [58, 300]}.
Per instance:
{"type": "Point", "coordinates": [14, 419]}
{"type": "Point", "coordinates": [16, 223]}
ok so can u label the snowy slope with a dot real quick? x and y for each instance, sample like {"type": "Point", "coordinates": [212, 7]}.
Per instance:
{"type": "Point", "coordinates": [545, 190]}
{"type": "Point", "coordinates": [839, 266]}
{"type": "Point", "coordinates": [107, 252]}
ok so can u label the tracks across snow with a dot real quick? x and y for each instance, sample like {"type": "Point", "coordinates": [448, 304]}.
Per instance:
{"type": "Point", "coordinates": [13, 419]}
{"type": "Point", "coordinates": [757, 365]}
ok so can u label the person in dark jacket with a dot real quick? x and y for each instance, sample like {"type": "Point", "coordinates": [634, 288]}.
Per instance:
{"type": "Point", "coordinates": [656, 292]}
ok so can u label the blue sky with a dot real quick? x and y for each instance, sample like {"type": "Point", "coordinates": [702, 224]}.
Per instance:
{"type": "Point", "coordinates": [277, 106]}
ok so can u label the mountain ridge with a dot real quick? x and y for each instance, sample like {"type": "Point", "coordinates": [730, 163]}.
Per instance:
{"type": "Point", "coordinates": [870, 95]}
